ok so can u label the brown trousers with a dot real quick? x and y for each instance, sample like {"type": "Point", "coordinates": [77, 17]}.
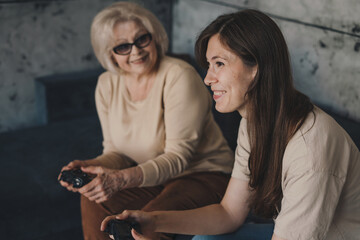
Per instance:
{"type": "Point", "coordinates": [186, 192]}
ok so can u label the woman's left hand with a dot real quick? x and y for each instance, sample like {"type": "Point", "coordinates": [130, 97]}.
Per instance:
{"type": "Point", "coordinates": [109, 181]}
{"type": "Point", "coordinates": [145, 219]}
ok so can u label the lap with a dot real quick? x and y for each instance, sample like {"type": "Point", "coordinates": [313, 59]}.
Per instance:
{"type": "Point", "coordinates": [131, 199]}
{"type": "Point", "coordinates": [190, 191]}
{"type": "Point", "coordinates": [186, 192]}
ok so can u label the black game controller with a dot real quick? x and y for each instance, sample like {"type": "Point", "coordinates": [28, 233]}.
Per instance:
{"type": "Point", "coordinates": [75, 177]}
{"type": "Point", "coordinates": [121, 229]}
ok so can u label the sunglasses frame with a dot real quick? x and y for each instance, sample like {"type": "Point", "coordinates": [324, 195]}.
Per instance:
{"type": "Point", "coordinates": [132, 44]}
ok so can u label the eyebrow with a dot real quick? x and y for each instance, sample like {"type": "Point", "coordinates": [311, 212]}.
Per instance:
{"type": "Point", "coordinates": [216, 57]}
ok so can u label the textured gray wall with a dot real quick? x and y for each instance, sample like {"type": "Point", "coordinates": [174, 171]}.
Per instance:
{"type": "Point", "coordinates": [323, 38]}
{"type": "Point", "coordinates": [40, 38]}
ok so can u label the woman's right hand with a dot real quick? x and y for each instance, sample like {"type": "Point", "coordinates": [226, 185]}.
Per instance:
{"type": "Point", "coordinates": [145, 219]}
{"type": "Point", "coordinates": [76, 164]}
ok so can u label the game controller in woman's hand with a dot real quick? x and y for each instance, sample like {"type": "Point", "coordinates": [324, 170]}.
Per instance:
{"type": "Point", "coordinates": [121, 229]}
{"type": "Point", "coordinates": [76, 177]}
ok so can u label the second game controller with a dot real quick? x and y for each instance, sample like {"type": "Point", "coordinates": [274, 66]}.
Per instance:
{"type": "Point", "coordinates": [121, 229]}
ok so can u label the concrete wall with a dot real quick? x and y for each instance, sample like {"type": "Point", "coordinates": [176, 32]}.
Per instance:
{"type": "Point", "coordinates": [40, 38]}
{"type": "Point", "coordinates": [323, 37]}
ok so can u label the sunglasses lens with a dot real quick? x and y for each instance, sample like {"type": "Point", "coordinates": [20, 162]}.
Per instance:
{"type": "Point", "coordinates": [122, 49]}
{"type": "Point", "coordinates": [143, 41]}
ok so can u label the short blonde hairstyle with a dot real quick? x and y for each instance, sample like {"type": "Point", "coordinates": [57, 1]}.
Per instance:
{"type": "Point", "coordinates": [102, 31]}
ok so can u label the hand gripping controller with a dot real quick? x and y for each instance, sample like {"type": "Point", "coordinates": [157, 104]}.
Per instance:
{"type": "Point", "coordinates": [121, 229]}
{"type": "Point", "coordinates": [75, 177]}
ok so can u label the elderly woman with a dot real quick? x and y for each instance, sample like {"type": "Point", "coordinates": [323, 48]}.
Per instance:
{"type": "Point", "coordinates": [293, 162]}
{"type": "Point", "coordinates": [162, 148]}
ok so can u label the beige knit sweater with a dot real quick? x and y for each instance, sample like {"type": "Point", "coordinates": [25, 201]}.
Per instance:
{"type": "Point", "coordinates": [170, 133]}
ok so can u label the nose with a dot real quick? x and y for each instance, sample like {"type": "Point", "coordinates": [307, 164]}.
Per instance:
{"type": "Point", "coordinates": [210, 78]}
{"type": "Point", "coordinates": [135, 50]}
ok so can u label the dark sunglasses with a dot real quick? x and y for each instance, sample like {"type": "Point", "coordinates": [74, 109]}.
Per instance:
{"type": "Point", "coordinates": [140, 42]}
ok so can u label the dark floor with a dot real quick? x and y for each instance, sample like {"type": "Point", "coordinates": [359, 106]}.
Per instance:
{"type": "Point", "coordinates": [33, 204]}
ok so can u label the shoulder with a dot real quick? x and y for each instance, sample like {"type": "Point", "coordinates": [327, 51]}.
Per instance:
{"type": "Point", "coordinates": [242, 152]}
{"type": "Point", "coordinates": [180, 75]}
{"type": "Point", "coordinates": [107, 76]}
{"type": "Point", "coordinates": [176, 68]}
{"type": "Point", "coordinates": [174, 63]}
{"type": "Point", "coordinates": [321, 144]}
{"type": "Point", "coordinates": [243, 136]}
{"type": "Point", "coordinates": [321, 131]}
{"type": "Point", "coordinates": [107, 80]}
{"type": "Point", "coordinates": [182, 84]}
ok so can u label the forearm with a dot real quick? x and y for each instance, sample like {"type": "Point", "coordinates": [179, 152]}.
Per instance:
{"type": "Point", "coordinates": [132, 177]}
{"type": "Point", "coordinates": [161, 169]}
{"type": "Point", "coordinates": [214, 219]}
{"type": "Point", "coordinates": [209, 220]}
{"type": "Point", "coordinates": [109, 181]}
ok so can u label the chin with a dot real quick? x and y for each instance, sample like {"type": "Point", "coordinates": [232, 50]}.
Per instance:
{"type": "Point", "coordinates": [142, 70]}
{"type": "Point", "coordinates": [223, 109]}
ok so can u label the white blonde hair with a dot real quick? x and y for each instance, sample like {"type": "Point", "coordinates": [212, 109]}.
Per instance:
{"type": "Point", "coordinates": [102, 30]}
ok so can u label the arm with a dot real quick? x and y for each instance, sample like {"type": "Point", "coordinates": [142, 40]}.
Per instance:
{"type": "Point", "coordinates": [210, 220]}
{"type": "Point", "coordinates": [213, 219]}
{"type": "Point", "coordinates": [109, 181]}
{"type": "Point", "coordinates": [110, 158]}
{"type": "Point", "coordinates": [309, 203]}
{"type": "Point", "coordinates": [113, 170]}
{"type": "Point", "coordinates": [315, 169]}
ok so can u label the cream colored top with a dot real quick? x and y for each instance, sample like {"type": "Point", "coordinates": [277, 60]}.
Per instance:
{"type": "Point", "coordinates": [170, 133]}
{"type": "Point", "coordinates": [320, 181]}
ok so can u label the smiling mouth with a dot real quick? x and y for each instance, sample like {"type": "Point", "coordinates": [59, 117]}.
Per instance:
{"type": "Point", "coordinates": [139, 60]}
{"type": "Point", "coordinates": [219, 93]}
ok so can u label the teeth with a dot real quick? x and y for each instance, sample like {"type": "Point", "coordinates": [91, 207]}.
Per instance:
{"type": "Point", "coordinates": [139, 60]}
{"type": "Point", "coordinates": [219, 92]}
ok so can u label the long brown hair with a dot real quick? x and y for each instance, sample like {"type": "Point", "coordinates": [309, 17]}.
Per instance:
{"type": "Point", "coordinates": [275, 110]}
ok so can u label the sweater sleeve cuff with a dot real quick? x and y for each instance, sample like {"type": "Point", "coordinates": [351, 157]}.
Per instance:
{"type": "Point", "coordinates": [150, 173]}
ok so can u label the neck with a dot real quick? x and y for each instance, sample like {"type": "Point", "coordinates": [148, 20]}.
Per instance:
{"type": "Point", "coordinates": [139, 86]}
{"type": "Point", "coordinates": [243, 111]}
